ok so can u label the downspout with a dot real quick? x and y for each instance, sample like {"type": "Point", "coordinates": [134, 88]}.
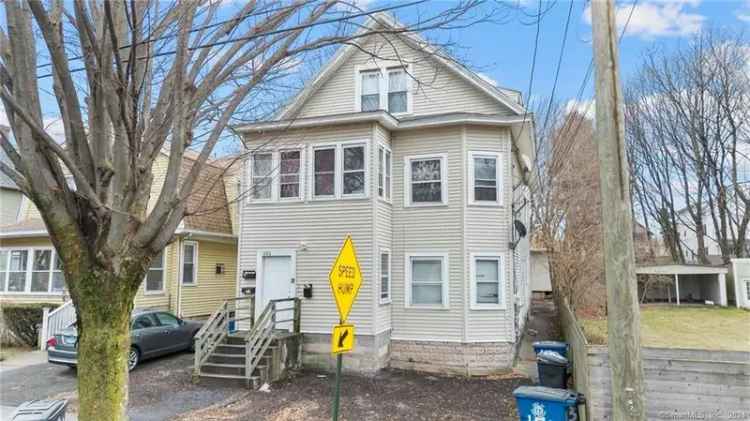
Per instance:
{"type": "Point", "coordinates": [178, 276]}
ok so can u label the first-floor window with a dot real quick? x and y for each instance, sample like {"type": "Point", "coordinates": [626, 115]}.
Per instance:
{"type": "Point", "coordinates": [31, 270]}
{"type": "Point", "coordinates": [189, 262]}
{"type": "Point", "coordinates": [324, 167]}
{"type": "Point", "coordinates": [155, 274]}
{"type": "Point", "coordinates": [385, 276]}
{"type": "Point", "coordinates": [262, 180]}
{"type": "Point", "coordinates": [17, 266]}
{"type": "Point", "coordinates": [427, 280]}
{"type": "Point", "coordinates": [487, 285]}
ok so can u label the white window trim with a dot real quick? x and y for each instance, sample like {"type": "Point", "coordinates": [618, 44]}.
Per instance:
{"type": "Point", "coordinates": [29, 271]}
{"type": "Point", "coordinates": [389, 198]}
{"type": "Point", "coordinates": [195, 262]}
{"type": "Point", "coordinates": [388, 299]}
{"type": "Point", "coordinates": [443, 180]}
{"type": "Point", "coordinates": [384, 67]}
{"type": "Point", "coordinates": [498, 177]}
{"type": "Point", "coordinates": [276, 176]}
{"type": "Point", "coordinates": [502, 286]}
{"type": "Point", "coordinates": [147, 291]}
{"type": "Point", "coordinates": [407, 277]}
{"type": "Point", "coordinates": [746, 292]}
{"type": "Point", "coordinates": [338, 179]}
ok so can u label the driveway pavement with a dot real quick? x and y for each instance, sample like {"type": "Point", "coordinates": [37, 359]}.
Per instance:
{"type": "Point", "coordinates": [159, 389]}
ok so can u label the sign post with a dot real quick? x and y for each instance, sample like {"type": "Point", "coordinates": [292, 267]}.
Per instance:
{"type": "Point", "coordinates": [345, 279]}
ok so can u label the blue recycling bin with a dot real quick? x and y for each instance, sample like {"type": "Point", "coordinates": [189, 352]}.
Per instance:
{"type": "Point", "coordinates": [232, 325]}
{"type": "Point", "coordinates": [539, 403]}
{"type": "Point", "coordinates": [557, 346]}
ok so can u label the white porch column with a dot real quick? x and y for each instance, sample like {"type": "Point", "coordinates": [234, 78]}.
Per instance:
{"type": "Point", "coordinates": [677, 287]}
{"type": "Point", "coordinates": [722, 289]}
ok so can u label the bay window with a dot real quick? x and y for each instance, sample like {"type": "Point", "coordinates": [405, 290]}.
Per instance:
{"type": "Point", "coordinates": [426, 180]}
{"type": "Point", "coordinates": [487, 281]}
{"type": "Point", "coordinates": [262, 180]}
{"type": "Point", "coordinates": [289, 174]}
{"type": "Point", "coordinates": [354, 170]}
{"type": "Point", "coordinates": [325, 172]}
{"type": "Point", "coordinates": [385, 276]}
{"type": "Point", "coordinates": [31, 270]}
{"type": "Point", "coordinates": [427, 280]}
{"type": "Point", "coordinates": [384, 173]}
{"type": "Point", "coordinates": [485, 178]}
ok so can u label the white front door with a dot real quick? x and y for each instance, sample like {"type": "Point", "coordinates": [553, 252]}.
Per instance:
{"type": "Point", "coordinates": [277, 282]}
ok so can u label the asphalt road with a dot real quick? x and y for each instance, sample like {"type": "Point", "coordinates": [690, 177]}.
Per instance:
{"type": "Point", "coordinates": [160, 389]}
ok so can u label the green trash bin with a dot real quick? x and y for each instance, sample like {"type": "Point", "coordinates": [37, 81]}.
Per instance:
{"type": "Point", "coordinates": [42, 410]}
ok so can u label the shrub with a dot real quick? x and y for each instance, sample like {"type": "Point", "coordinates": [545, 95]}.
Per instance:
{"type": "Point", "coordinates": [24, 320]}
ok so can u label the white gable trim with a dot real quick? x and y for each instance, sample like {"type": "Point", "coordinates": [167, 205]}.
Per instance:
{"type": "Point", "coordinates": [347, 50]}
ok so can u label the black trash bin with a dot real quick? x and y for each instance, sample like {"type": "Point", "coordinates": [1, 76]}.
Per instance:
{"type": "Point", "coordinates": [553, 369]}
{"type": "Point", "coordinates": [45, 410]}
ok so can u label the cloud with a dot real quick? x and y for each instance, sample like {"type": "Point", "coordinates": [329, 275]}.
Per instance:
{"type": "Point", "coordinates": [585, 107]}
{"type": "Point", "coordinates": [743, 13]}
{"type": "Point", "coordinates": [657, 18]}
{"type": "Point", "coordinates": [487, 79]}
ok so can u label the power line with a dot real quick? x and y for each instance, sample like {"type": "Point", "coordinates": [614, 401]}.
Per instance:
{"type": "Point", "coordinates": [196, 29]}
{"type": "Point", "coordinates": [559, 64]}
{"type": "Point", "coordinates": [274, 32]}
{"type": "Point", "coordinates": [533, 65]}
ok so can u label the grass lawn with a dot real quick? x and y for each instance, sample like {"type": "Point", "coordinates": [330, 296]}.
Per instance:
{"type": "Point", "coordinates": [7, 352]}
{"type": "Point", "coordinates": [699, 327]}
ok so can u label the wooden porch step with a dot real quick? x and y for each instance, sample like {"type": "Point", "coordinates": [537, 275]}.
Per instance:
{"type": "Point", "coordinates": [227, 376]}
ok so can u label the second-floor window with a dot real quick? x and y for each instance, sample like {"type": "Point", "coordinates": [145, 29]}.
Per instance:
{"type": "Point", "coordinates": [354, 170]}
{"type": "Point", "coordinates": [384, 173]}
{"type": "Point", "coordinates": [325, 172]}
{"type": "Point", "coordinates": [262, 178]}
{"type": "Point", "coordinates": [426, 180]}
{"type": "Point", "coordinates": [485, 178]}
{"type": "Point", "coordinates": [289, 174]}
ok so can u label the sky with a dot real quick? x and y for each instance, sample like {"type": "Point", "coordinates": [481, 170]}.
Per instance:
{"type": "Point", "coordinates": [502, 52]}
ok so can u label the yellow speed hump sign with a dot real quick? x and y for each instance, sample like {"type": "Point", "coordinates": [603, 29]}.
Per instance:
{"type": "Point", "coordinates": [346, 278]}
{"type": "Point", "coordinates": [342, 339]}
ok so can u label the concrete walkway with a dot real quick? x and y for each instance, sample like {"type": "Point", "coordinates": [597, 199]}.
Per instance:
{"type": "Point", "coordinates": [543, 325]}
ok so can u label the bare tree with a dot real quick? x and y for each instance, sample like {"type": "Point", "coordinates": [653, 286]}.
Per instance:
{"type": "Point", "coordinates": [151, 76]}
{"type": "Point", "coordinates": [687, 116]}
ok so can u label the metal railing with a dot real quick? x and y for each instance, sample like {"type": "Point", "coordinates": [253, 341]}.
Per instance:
{"type": "Point", "coordinates": [55, 321]}
{"type": "Point", "coordinates": [275, 317]}
{"type": "Point", "coordinates": [230, 315]}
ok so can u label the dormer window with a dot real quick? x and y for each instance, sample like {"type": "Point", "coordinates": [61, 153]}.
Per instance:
{"type": "Point", "coordinates": [370, 90]}
{"type": "Point", "coordinates": [383, 88]}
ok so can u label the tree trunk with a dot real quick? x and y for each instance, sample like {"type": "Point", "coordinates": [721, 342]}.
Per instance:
{"type": "Point", "coordinates": [104, 302]}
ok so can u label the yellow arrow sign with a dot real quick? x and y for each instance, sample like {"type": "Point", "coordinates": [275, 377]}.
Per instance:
{"type": "Point", "coordinates": [346, 278]}
{"type": "Point", "coordinates": [342, 339]}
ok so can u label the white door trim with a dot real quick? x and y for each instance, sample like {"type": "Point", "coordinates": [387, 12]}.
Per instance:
{"type": "Point", "coordinates": [292, 253]}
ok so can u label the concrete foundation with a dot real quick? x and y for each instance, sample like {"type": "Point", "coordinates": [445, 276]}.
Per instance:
{"type": "Point", "coordinates": [468, 359]}
{"type": "Point", "coordinates": [370, 353]}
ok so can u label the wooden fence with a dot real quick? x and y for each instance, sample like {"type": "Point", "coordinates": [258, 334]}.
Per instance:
{"type": "Point", "coordinates": [681, 384]}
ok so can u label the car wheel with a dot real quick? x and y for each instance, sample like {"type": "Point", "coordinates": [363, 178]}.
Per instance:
{"type": "Point", "coordinates": [192, 343]}
{"type": "Point", "coordinates": [134, 357]}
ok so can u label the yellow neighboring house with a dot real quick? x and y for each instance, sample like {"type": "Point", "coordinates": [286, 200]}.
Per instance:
{"type": "Point", "coordinates": [192, 276]}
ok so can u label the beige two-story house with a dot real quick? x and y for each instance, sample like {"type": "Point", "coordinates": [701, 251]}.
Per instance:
{"type": "Point", "coordinates": [426, 165]}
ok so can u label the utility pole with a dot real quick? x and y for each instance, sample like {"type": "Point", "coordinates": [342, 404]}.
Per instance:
{"type": "Point", "coordinates": [623, 313]}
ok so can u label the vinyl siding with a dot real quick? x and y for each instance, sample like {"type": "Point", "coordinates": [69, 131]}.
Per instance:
{"type": "Point", "coordinates": [10, 202]}
{"type": "Point", "coordinates": [211, 289]}
{"type": "Point", "coordinates": [424, 229]}
{"type": "Point", "coordinates": [383, 232]}
{"type": "Point", "coordinates": [435, 90]}
{"type": "Point", "coordinates": [488, 229]}
{"type": "Point", "coordinates": [321, 225]}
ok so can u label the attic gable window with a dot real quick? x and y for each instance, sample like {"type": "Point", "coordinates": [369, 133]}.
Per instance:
{"type": "Point", "coordinates": [370, 98]}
